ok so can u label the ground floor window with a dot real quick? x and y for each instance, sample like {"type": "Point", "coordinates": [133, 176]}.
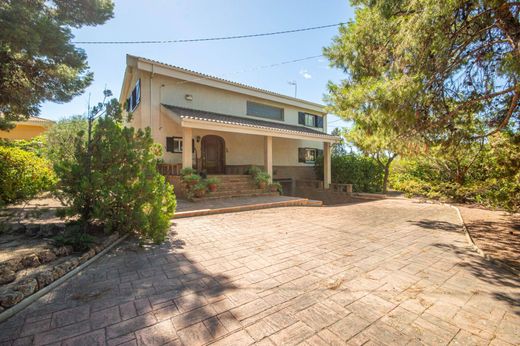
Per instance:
{"type": "Point", "coordinates": [308, 155]}
{"type": "Point", "coordinates": [174, 144]}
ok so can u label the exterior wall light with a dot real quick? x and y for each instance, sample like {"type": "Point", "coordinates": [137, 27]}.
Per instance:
{"type": "Point", "coordinates": [188, 97]}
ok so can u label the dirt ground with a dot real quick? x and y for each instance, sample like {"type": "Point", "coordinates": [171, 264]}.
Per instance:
{"type": "Point", "coordinates": [497, 233]}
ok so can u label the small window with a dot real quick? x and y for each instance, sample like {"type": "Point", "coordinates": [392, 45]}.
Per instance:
{"type": "Point", "coordinates": [307, 155]}
{"type": "Point", "coordinates": [135, 97]}
{"type": "Point", "coordinates": [174, 144]}
{"type": "Point", "coordinates": [310, 120]}
{"type": "Point", "coordinates": [264, 111]}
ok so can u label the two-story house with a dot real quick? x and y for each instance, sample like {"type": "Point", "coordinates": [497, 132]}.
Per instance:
{"type": "Point", "coordinates": [222, 127]}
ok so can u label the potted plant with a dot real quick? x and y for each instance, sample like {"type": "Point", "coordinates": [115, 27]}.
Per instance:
{"type": "Point", "coordinates": [212, 184]}
{"type": "Point", "coordinates": [262, 179]}
{"type": "Point", "coordinates": [187, 171]}
{"type": "Point", "coordinates": [253, 171]}
{"type": "Point", "coordinates": [199, 189]}
{"type": "Point", "coordinates": [275, 187]}
{"type": "Point", "coordinates": [191, 179]}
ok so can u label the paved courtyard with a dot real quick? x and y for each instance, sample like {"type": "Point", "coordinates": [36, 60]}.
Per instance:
{"type": "Point", "coordinates": [380, 272]}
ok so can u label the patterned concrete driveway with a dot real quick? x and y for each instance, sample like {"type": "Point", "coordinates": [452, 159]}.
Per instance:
{"type": "Point", "coordinates": [381, 272]}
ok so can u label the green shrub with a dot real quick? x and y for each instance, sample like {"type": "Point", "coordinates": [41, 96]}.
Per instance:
{"type": "Point", "coordinates": [253, 171]}
{"type": "Point", "coordinates": [59, 139]}
{"type": "Point", "coordinates": [262, 177]}
{"type": "Point", "coordinates": [362, 172]}
{"type": "Point", "coordinates": [188, 171]}
{"type": "Point", "coordinates": [124, 190]}
{"type": "Point", "coordinates": [23, 175]}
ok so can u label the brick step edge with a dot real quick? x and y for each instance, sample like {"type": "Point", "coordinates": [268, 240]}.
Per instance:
{"type": "Point", "coordinates": [238, 194]}
{"type": "Point", "coordinates": [19, 301]}
{"type": "Point", "coordinates": [234, 209]}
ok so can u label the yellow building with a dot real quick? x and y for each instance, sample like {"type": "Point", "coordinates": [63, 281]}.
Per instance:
{"type": "Point", "coordinates": [32, 127]}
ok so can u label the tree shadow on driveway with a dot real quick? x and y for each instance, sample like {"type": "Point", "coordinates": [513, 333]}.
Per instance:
{"type": "Point", "coordinates": [147, 293]}
{"type": "Point", "coordinates": [503, 284]}
{"type": "Point", "coordinates": [437, 225]}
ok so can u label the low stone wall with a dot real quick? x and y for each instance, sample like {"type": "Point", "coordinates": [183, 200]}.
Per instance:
{"type": "Point", "coordinates": [14, 292]}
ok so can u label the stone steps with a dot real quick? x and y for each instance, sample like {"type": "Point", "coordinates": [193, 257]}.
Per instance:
{"type": "Point", "coordinates": [230, 194]}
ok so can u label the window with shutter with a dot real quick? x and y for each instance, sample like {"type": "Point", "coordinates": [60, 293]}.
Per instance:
{"type": "Point", "coordinates": [319, 122]}
{"type": "Point", "coordinates": [301, 118]}
{"type": "Point", "coordinates": [301, 155]}
{"type": "Point", "coordinates": [169, 144]}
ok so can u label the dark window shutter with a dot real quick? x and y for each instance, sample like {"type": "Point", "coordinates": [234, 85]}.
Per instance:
{"type": "Point", "coordinates": [319, 122]}
{"type": "Point", "coordinates": [301, 118]}
{"type": "Point", "coordinates": [301, 154]}
{"type": "Point", "coordinates": [169, 144]}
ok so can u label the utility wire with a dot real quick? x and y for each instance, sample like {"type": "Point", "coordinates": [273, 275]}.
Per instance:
{"type": "Point", "coordinates": [254, 68]}
{"type": "Point", "coordinates": [221, 38]}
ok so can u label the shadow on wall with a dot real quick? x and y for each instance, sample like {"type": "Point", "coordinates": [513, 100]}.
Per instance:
{"type": "Point", "coordinates": [153, 290]}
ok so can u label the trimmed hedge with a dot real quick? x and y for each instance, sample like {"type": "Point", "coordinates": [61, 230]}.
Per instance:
{"type": "Point", "coordinates": [23, 175]}
{"type": "Point", "coordinates": [362, 172]}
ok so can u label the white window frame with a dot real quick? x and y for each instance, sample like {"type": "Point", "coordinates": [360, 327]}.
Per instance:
{"type": "Point", "coordinates": [308, 152]}
{"type": "Point", "coordinates": [310, 120]}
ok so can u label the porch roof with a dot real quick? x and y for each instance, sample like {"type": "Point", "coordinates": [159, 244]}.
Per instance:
{"type": "Point", "coordinates": [273, 128]}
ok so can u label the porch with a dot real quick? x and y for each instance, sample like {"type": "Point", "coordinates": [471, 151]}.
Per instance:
{"type": "Point", "coordinates": [217, 144]}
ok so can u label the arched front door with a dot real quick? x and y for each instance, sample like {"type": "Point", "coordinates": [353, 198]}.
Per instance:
{"type": "Point", "coordinates": [213, 154]}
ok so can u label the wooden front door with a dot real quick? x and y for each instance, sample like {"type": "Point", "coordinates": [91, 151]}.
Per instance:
{"type": "Point", "coordinates": [213, 154]}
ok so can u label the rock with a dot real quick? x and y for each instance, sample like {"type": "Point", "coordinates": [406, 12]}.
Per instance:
{"type": "Point", "coordinates": [51, 229]}
{"type": "Point", "coordinates": [9, 298]}
{"type": "Point", "coordinates": [58, 272]}
{"type": "Point", "coordinates": [15, 264]}
{"type": "Point", "coordinates": [32, 230]}
{"type": "Point", "coordinates": [97, 248]}
{"type": "Point", "coordinates": [46, 256]}
{"type": "Point", "coordinates": [6, 275]}
{"type": "Point", "coordinates": [73, 263]}
{"type": "Point", "coordinates": [30, 261]}
{"type": "Point", "coordinates": [1, 309]}
{"type": "Point", "coordinates": [44, 278]}
{"type": "Point", "coordinates": [27, 286]}
{"type": "Point", "coordinates": [63, 250]}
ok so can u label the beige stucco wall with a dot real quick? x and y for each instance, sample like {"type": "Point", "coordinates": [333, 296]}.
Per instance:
{"type": "Point", "coordinates": [240, 149]}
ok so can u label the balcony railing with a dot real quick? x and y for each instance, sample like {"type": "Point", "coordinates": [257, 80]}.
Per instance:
{"type": "Point", "coordinates": [169, 168]}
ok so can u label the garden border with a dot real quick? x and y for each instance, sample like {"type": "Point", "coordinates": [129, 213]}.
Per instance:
{"type": "Point", "coordinates": [475, 247]}
{"type": "Point", "coordinates": [8, 313]}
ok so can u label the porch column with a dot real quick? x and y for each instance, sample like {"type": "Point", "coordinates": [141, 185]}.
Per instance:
{"type": "Point", "coordinates": [268, 155]}
{"type": "Point", "coordinates": [326, 165]}
{"type": "Point", "coordinates": [187, 148]}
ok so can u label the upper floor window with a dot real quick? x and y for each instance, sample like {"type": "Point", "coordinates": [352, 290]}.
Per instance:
{"type": "Point", "coordinates": [310, 120]}
{"type": "Point", "coordinates": [135, 97]}
{"type": "Point", "coordinates": [264, 111]}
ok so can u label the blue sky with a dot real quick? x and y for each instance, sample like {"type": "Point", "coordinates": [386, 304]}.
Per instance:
{"type": "Point", "coordinates": [236, 60]}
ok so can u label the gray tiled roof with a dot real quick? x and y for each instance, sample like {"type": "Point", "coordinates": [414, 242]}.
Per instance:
{"type": "Point", "coordinates": [186, 113]}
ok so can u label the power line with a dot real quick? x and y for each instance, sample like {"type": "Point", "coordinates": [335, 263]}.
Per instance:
{"type": "Point", "coordinates": [254, 68]}
{"type": "Point", "coordinates": [221, 38]}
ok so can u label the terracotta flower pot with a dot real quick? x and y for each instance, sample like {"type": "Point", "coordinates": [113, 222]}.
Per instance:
{"type": "Point", "coordinates": [262, 184]}
{"type": "Point", "coordinates": [212, 187]}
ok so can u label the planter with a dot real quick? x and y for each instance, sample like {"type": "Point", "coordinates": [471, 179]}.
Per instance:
{"type": "Point", "coordinates": [212, 187]}
{"type": "Point", "coordinates": [262, 185]}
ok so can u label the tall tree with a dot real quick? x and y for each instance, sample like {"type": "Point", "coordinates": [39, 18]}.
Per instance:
{"type": "Point", "coordinates": [382, 146]}
{"type": "Point", "coordinates": [38, 61]}
{"type": "Point", "coordinates": [429, 69]}
{"type": "Point", "coordinates": [339, 148]}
